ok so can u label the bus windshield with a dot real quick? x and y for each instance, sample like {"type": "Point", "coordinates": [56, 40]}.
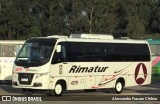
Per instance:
{"type": "Point", "coordinates": [35, 53]}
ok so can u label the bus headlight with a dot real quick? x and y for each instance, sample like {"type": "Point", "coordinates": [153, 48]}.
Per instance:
{"type": "Point", "coordinates": [14, 74]}
{"type": "Point", "coordinates": [41, 74]}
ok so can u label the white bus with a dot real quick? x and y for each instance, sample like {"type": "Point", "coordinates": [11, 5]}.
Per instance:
{"type": "Point", "coordinates": [8, 51]}
{"type": "Point", "coordinates": [59, 64]}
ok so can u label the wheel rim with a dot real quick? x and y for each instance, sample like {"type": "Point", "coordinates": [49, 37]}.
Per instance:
{"type": "Point", "coordinates": [58, 89]}
{"type": "Point", "coordinates": [118, 86]}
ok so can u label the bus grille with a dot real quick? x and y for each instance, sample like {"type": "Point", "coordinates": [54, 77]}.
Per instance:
{"type": "Point", "coordinates": [25, 78]}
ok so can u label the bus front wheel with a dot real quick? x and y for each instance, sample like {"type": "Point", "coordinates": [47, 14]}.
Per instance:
{"type": "Point", "coordinates": [58, 90]}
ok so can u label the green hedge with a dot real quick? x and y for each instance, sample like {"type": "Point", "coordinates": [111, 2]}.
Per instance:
{"type": "Point", "coordinates": [155, 74]}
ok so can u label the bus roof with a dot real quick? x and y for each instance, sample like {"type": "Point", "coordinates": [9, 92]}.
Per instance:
{"type": "Point", "coordinates": [105, 41]}
{"type": "Point", "coordinates": [72, 39]}
{"type": "Point", "coordinates": [12, 41]}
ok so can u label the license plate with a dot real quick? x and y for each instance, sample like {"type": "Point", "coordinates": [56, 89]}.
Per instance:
{"type": "Point", "coordinates": [24, 79]}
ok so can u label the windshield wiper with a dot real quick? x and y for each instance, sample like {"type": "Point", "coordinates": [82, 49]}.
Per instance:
{"type": "Point", "coordinates": [22, 60]}
{"type": "Point", "coordinates": [36, 61]}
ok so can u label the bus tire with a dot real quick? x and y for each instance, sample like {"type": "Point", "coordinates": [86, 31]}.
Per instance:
{"type": "Point", "coordinates": [118, 87]}
{"type": "Point", "coordinates": [24, 90]}
{"type": "Point", "coordinates": [58, 90]}
{"type": "Point", "coordinates": [31, 90]}
{"type": "Point", "coordinates": [28, 90]}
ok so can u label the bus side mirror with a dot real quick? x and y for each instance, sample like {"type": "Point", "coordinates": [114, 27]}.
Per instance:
{"type": "Point", "coordinates": [58, 49]}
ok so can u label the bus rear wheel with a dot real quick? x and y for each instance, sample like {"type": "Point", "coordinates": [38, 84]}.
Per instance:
{"type": "Point", "coordinates": [118, 87]}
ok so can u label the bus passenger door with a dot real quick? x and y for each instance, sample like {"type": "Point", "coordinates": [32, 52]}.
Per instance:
{"type": "Point", "coordinates": [58, 70]}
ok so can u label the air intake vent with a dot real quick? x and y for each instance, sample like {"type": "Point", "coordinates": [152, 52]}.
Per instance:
{"type": "Point", "coordinates": [25, 78]}
{"type": "Point", "coordinates": [92, 36]}
{"type": "Point", "coordinates": [57, 36]}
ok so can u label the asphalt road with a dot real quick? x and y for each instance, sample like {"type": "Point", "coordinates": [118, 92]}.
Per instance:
{"type": "Point", "coordinates": [97, 96]}
{"type": "Point", "coordinates": [152, 89]}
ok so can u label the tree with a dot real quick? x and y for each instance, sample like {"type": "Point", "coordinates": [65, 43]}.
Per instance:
{"type": "Point", "coordinates": [155, 20]}
{"type": "Point", "coordinates": [23, 19]}
{"type": "Point", "coordinates": [15, 18]}
{"type": "Point", "coordinates": [50, 15]}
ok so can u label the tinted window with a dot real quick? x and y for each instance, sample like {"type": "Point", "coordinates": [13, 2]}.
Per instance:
{"type": "Point", "coordinates": [60, 56]}
{"type": "Point", "coordinates": [80, 51]}
{"type": "Point", "coordinates": [35, 53]}
{"type": "Point", "coordinates": [87, 52]}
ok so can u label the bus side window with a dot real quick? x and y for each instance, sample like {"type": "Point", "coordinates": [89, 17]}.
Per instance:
{"type": "Point", "coordinates": [60, 56]}
{"type": "Point", "coordinates": [7, 50]}
{"type": "Point", "coordinates": [153, 50]}
{"type": "Point", "coordinates": [16, 50]}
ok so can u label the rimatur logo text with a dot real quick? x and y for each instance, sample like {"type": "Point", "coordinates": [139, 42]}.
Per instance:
{"type": "Point", "coordinates": [80, 69]}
